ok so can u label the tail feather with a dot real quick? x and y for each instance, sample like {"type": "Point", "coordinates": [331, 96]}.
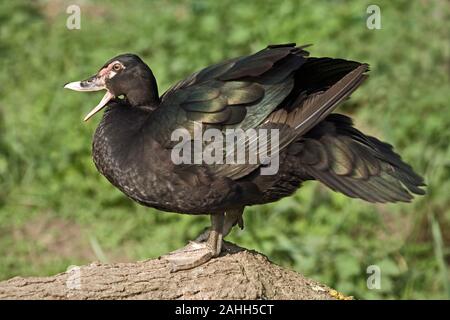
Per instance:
{"type": "Point", "coordinates": [357, 165]}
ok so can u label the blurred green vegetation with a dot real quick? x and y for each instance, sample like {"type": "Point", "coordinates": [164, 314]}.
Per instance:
{"type": "Point", "coordinates": [56, 210]}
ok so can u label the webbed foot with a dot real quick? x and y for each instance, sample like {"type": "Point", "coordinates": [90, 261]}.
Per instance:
{"type": "Point", "coordinates": [197, 253]}
{"type": "Point", "coordinates": [192, 255]}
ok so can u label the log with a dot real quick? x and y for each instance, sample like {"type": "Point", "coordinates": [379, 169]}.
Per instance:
{"type": "Point", "coordinates": [236, 274]}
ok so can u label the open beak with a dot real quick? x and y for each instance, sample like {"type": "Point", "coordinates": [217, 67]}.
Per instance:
{"type": "Point", "coordinates": [94, 83]}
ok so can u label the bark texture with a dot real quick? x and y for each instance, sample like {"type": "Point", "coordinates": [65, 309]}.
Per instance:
{"type": "Point", "coordinates": [237, 274]}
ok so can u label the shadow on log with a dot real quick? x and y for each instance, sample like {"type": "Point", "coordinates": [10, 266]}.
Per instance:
{"type": "Point", "coordinates": [236, 274]}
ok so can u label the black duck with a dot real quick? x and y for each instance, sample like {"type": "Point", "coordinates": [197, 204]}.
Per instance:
{"type": "Point", "coordinates": [279, 87]}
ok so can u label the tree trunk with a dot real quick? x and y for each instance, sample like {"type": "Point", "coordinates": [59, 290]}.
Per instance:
{"type": "Point", "coordinates": [237, 274]}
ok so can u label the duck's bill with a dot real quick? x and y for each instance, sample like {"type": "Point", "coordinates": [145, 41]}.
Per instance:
{"type": "Point", "coordinates": [108, 96]}
{"type": "Point", "coordinates": [94, 83]}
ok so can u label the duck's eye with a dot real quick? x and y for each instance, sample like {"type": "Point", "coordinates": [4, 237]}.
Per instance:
{"type": "Point", "coordinates": [117, 67]}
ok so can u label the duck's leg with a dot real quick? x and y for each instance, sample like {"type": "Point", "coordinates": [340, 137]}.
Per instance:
{"type": "Point", "coordinates": [196, 252]}
{"type": "Point", "coordinates": [232, 217]}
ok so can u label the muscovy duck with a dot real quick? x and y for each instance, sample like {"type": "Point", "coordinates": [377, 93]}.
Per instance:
{"type": "Point", "coordinates": [278, 88]}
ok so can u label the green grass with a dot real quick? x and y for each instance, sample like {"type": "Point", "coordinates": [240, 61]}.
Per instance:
{"type": "Point", "coordinates": [56, 210]}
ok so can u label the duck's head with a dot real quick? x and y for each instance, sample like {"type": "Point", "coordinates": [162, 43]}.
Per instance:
{"type": "Point", "coordinates": [125, 75]}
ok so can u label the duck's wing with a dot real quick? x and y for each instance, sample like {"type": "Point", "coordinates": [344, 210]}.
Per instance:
{"type": "Point", "coordinates": [296, 118]}
{"type": "Point", "coordinates": [238, 93]}
{"type": "Point", "coordinates": [276, 88]}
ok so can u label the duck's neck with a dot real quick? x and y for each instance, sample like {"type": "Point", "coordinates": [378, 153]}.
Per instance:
{"type": "Point", "coordinates": [143, 92]}
{"type": "Point", "coordinates": [116, 135]}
